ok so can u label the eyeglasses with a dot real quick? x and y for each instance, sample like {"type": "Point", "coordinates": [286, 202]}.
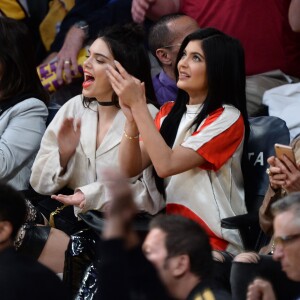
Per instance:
{"type": "Point", "coordinates": [174, 45]}
{"type": "Point", "coordinates": [285, 240]}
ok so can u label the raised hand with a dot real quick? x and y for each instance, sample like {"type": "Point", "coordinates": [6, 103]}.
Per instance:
{"type": "Point", "coordinates": [68, 139]}
{"type": "Point", "coordinates": [122, 208]}
{"type": "Point", "coordinates": [292, 172]}
{"type": "Point", "coordinates": [276, 177]}
{"type": "Point", "coordinates": [129, 89]}
{"type": "Point", "coordinates": [139, 9]}
{"type": "Point", "coordinates": [77, 199]}
{"type": "Point", "coordinates": [260, 289]}
{"type": "Point", "coordinates": [120, 196]}
{"type": "Point", "coordinates": [284, 174]}
{"type": "Point", "coordinates": [67, 56]}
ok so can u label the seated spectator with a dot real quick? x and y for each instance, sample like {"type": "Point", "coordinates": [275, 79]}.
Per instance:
{"type": "Point", "coordinates": [178, 248]}
{"type": "Point", "coordinates": [22, 124]}
{"type": "Point", "coordinates": [165, 38]}
{"type": "Point", "coordinates": [81, 24]}
{"type": "Point", "coordinates": [209, 114]}
{"type": "Point", "coordinates": [284, 179]}
{"type": "Point", "coordinates": [271, 59]}
{"type": "Point", "coordinates": [286, 250]}
{"type": "Point", "coordinates": [85, 134]}
{"type": "Point", "coordinates": [31, 13]}
{"type": "Point", "coordinates": [20, 276]}
{"type": "Point", "coordinates": [23, 103]}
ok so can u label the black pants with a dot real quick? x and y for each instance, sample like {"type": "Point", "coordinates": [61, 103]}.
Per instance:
{"type": "Point", "coordinates": [244, 273]}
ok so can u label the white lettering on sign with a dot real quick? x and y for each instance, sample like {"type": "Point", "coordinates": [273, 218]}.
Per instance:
{"type": "Point", "coordinates": [258, 160]}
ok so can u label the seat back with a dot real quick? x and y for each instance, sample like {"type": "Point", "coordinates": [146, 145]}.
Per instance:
{"type": "Point", "coordinates": [265, 131]}
{"type": "Point", "coordinates": [52, 110]}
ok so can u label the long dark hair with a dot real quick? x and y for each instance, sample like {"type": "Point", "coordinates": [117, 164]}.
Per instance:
{"type": "Point", "coordinates": [225, 69]}
{"type": "Point", "coordinates": [126, 43]}
{"type": "Point", "coordinates": [18, 75]}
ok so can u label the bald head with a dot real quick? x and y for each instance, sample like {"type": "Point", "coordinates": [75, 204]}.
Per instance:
{"type": "Point", "coordinates": [165, 38]}
{"type": "Point", "coordinates": [181, 27]}
{"type": "Point", "coordinates": [170, 30]}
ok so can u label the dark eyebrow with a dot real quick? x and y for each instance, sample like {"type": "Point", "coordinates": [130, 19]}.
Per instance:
{"type": "Point", "coordinates": [198, 54]}
{"type": "Point", "coordinates": [98, 54]}
{"type": "Point", "coordinates": [102, 55]}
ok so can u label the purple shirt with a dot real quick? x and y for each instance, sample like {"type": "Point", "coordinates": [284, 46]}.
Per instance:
{"type": "Point", "coordinates": [165, 88]}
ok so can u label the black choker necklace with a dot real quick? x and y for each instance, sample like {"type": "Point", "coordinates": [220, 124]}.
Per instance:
{"type": "Point", "coordinates": [106, 103]}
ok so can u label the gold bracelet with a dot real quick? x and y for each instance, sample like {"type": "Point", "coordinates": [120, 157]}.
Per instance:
{"type": "Point", "coordinates": [131, 137]}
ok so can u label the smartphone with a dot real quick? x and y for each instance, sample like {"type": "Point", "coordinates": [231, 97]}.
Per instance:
{"type": "Point", "coordinates": [281, 150]}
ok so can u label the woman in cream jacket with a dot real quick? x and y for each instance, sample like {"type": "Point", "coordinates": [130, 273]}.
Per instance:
{"type": "Point", "coordinates": [84, 137]}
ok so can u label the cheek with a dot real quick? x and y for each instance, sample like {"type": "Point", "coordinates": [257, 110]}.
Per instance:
{"type": "Point", "coordinates": [201, 72]}
{"type": "Point", "coordinates": [291, 256]}
{"type": "Point", "coordinates": [156, 259]}
{"type": "Point", "coordinates": [202, 77]}
{"type": "Point", "coordinates": [103, 81]}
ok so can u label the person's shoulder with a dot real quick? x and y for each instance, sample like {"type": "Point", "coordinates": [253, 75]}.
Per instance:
{"type": "Point", "coordinates": [28, 108]}
{"type": "Point", "coordinates": [22, 264]}
{"type": "Point", "coordinates": [16, 264]}
{"type": "Point", "coordinates": [166, 107]}
{"type": "Point", "coordinates": [163, 112]}
{"type": "Point", "coordinates": [76, 101]}
{"type": "Point", "coordinates": [26, 274]}
{"type": "Point", "coordinates": [226, 113]}
{"type": "Point", "coordinates": [230, 110]}
{"type": "Point", "coordinates": [75, 107]}
{"type": "Point", "coordinates": [30, 103]}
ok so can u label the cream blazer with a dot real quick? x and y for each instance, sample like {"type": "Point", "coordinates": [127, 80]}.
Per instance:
{"type": "Point", "coordinates": [84, 168]}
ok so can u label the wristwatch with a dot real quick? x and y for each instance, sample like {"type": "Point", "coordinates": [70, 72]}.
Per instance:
{"type": "Point", "coordinates": [83, 25]}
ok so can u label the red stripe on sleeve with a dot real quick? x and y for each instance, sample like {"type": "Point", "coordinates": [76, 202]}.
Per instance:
{"type": "Point", "coordinates": [221, 147]}
{"type": "Point", "coordinates": [163, 112]}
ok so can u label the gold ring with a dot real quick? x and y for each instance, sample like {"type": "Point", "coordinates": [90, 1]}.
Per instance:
{"type": "Point", "coordinates": [268, 171]}
{"type": "Point", "coordinates": [67, 62]}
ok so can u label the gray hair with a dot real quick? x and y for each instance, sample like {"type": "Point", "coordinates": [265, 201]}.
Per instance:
{"type": "Point", "coordinates": [290, 202]}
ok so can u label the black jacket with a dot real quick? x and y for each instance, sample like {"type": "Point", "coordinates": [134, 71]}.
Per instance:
{"type": "Point", "coordinates": [97, 13]}
{"type": "Point", "coordinates": [24, 278]}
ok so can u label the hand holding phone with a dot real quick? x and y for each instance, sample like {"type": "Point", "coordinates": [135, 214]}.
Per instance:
{"type": "Point", "coordinates": [281, 150]}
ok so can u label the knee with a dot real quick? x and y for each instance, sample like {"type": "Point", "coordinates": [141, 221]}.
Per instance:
{"type": "Point", "coordinates": [247, 257]}
{"type": "Point", "coordinates": [222, 256]}
{"type": "Point", "coordinates": [53, 254]}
